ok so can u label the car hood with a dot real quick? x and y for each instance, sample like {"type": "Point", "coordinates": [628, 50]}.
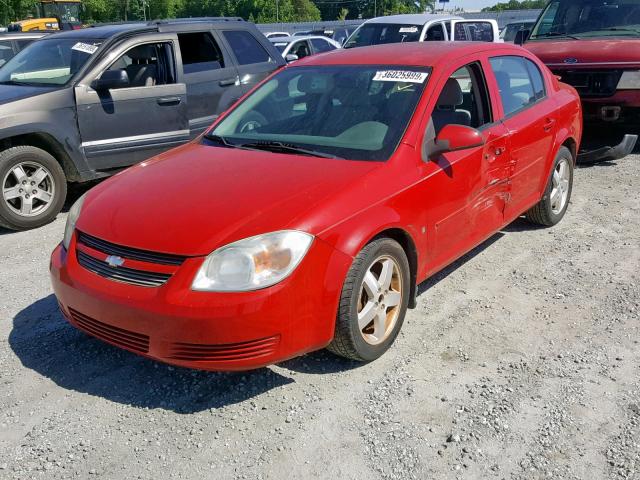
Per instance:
{"type": "Point", "coordinates": [11, 93]}
{"type": "Point", "coordinates": [587, 53]}
{"type": "Point", "coordinates": [197, 198]}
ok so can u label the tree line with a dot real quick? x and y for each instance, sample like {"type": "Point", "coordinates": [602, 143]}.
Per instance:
{"type": "Point", "coordinates": [260, 11]}
{"type": "Point", "coordinates": [517, 5]}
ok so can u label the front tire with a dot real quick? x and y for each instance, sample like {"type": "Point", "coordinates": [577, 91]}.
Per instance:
{"type": "Point", "coordinates": [34, 188]}
{"type": "Point", "coordinates": [555, 201]}
{"type": "Point", "coordinates": [374, 302]}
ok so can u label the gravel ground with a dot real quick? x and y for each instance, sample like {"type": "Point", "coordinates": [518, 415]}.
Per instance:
{"type": "Point", "coordinates": [521, 362]}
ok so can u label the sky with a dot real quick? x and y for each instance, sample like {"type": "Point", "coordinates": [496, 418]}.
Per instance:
{"type": "Point", "coordinates": [470, 4]}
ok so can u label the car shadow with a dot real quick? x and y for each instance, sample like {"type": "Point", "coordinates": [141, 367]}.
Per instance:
{"type": "Point", "coordinates": [47, 344]}
{"type": "Point", "coordinates": [445, 272]}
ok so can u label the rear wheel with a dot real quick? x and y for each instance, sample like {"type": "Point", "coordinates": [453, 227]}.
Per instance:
{"type": "Point", "coordinates": [33, 185]}
{"type": "Point", "coordinates": [555, 201]}
{"type": "Point", "coordinates": [374, 302]}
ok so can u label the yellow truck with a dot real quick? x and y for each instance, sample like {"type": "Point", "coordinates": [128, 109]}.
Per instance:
{"type": "Point", "coordinates": [52, 15]}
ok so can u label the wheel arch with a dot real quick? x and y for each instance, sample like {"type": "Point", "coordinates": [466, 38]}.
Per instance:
{"type": "Point", "coordinates": [49, 144]}
{"type": "Point", "coordinates": [407, 243]}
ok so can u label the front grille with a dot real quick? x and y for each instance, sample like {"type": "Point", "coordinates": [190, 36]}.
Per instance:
{"type": "Point", "coordinates": [592, 83]}
{"type": "Point", "coordinates": [130, 253]}
{"type": "Point", "coordinates": [224, 352]}
{"type": "Point", "coordinates": [140, 278]}
{"type": "Point", "coordinates": [117, 336]}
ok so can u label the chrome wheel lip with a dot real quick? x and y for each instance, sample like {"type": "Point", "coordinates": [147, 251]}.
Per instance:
{"type": "Point", "coordinates": [560, 183]}
{"type": "Point", "coordinates": [380, 300]}
{"type": "Point", "coordinates": [26, 184]}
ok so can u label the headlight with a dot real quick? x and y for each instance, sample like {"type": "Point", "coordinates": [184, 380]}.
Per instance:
{"type": "Point", "coordinates": [629, 80]}
{"type": "Point", "coordinates": [253, 263]}
{"type": "Point", "coordinates": [72, 218]}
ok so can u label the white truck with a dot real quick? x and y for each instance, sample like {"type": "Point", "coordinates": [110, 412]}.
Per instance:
{"type": "Point", "coordinates": [423, 28]}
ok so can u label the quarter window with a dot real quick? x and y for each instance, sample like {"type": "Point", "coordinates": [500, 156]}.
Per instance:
{"type": "Point", "coordinates": [514, 83]}
{"type": "Point", "coordinates": [200, 52]}
{"type": "Point", "coordinates": [246, 48]}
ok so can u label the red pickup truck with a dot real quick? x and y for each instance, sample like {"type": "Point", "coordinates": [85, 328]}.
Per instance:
{"type": "Point", "coordinates": [594, 45]}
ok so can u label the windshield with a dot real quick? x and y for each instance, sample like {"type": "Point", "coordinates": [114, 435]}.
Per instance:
{"type": "Point", "coordinates": [588, 18]}
{"type": "Point", "coordinates": [351, 112]}
{"type": "Point", "coordinates": [48, 62]}
{"type": "Point", "coordinates": [377, 33]}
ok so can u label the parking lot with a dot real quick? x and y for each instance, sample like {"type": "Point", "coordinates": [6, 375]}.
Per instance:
{"type": "Point", "coordinates": [521, 361]}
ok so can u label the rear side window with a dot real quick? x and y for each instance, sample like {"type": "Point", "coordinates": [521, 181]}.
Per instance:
{"type": "Point", "coordinates": [514, 83]}
{"type": "Point", "coordinates": [473, 31]}
{"type": "Point", "coordinates": [6, 52]}
{"type": "Point", "coordinates": [246, 48]}
{"type": "Point", "coordinates": [23, 43]}
{"type": "Point", "coordinates": [320, 45]}
{"type": "Point", "coordinates": [536, 79]}
{"type": "Point", "coordinates": [200, 52]}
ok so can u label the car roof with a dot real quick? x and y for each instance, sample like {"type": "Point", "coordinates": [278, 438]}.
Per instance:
{"type": "Point", "coordinates": [414, 53]}
{"type": "Point", "coordinates": [18, 35]}
{"type": "Point", "coordinates": [414, 18]}
{"type": "Point", "coordinates": [108, 30]}
{"type": "Point", "coordinates": [296, 39]}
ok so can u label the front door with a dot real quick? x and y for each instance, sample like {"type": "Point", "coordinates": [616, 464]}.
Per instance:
{"type": "Point", "coordinates": [473, 184]}
{"type": "Point", "coordinates": [125, 125]}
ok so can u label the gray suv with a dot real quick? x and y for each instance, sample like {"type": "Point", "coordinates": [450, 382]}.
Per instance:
{"type": "Point", "coordinates": [81, 105]}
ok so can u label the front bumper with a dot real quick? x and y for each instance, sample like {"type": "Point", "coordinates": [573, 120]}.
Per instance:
{"type": "Point", "coordinates": [203, 330]}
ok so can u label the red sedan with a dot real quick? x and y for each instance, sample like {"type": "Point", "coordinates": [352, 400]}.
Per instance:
{"type": "Point", "coordinates": [309, 212]}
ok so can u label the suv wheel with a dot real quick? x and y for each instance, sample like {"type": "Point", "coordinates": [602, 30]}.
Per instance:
{"type": "Point", "coordinates": [34, 188]}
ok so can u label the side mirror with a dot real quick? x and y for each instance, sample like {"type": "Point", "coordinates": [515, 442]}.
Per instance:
{"type": "Point", "coordinates": [291, 58]}
{"type": "Point", "coordinates": [111, 79]}
{"type": "Point", "coordinates": [522, 36]}
{"type": "Point", "coordinates": [450, 139]}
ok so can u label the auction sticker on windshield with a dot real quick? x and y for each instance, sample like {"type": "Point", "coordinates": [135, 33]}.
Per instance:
{"type": "Point", "coordinates": [406, 76]}
{"type": "Point", "coordinates": [85, 47]}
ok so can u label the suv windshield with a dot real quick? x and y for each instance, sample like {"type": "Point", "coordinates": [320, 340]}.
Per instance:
{"type": "Point", "coordinates": [350, 112]}
{"type": "Point", "coordinates": [377, 33]}
{"type": "Point", "coordinates": [588, 18]}
{"type": "Point", "coordinates": [48, 62]}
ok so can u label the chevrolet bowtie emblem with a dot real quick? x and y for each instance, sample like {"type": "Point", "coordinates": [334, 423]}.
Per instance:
{"type": "Point", "coordinates": [115, 261]}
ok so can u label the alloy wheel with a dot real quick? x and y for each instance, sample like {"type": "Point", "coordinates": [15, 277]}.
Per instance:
{"type": "Point", "coordinates": [560, 186]}
{"type": "Point", "coordinates": [380, 300]}
{"type": "Point", "coordinates": [28, 189]}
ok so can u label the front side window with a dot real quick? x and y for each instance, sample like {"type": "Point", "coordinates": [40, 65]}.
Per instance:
{"type": "Point", "coordinates": [514, 83]}
{"type": "Point", "coordinates": [49, 62]}
{"type": "Point", "coordinates": [588, 18]}
{"type": "Point", "coordinates": [245, 47]}
{"type": "Point", "coordinates": [300, 49]}
{"type": "Point", "coordinates": [354, 112]}
{"type": "Point", "coordinates": [464, 100]}
{"type": "Point", "coordinates": [435, 33]}
{"type": "Point", "coordinates": [147, 65]}
{"type": "Point", "coordinates": [200, 52]}
{"type": "Point", "coordinates": [378, 33]}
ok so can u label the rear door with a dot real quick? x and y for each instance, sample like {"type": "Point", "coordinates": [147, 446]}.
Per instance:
{"type": "Point", "coordinates": [212, 79]}
{"type": "Point", "coordinates": [255, 57]}
{"type": "Point", "coordinates": [474, 31]}
{"type": "Point", "coordinates": [123, 126]}
{"type": "Point", "coordinates": [530, 116]}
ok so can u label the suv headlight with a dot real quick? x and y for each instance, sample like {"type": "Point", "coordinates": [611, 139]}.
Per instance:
{"type": "Point", "coordinates": [630, 80]}
{"type": "Point", "coordinates": [72, 218]}
{"type": "Point", "coordinates": [253, 263]}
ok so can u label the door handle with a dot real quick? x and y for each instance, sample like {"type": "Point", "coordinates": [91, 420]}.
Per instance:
{"type": "Point", "coordinates": [548, 124]}
{"type": "Point", "coordinates": [169, 101]}
{"type": "Point", "coordinates": [227, 82]}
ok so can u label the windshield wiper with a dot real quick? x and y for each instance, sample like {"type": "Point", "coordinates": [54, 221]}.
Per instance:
{"type": "Point", "coordinates": [618, 29]}
{"type": "Point", "coordinates": [223, 140]}
{"type": "Point", "coordinates": [555, 34]}
{"type": "Point", "coordinates": [281, 147]}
